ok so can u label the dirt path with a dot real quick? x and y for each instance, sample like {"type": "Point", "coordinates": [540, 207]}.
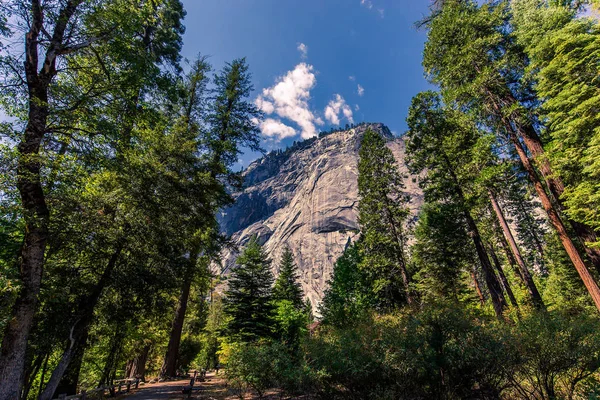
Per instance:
{"type": "Point", "coordinates": [213, 388]}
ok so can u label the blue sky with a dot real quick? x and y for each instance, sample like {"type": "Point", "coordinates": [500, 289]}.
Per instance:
{"type": "Point", "coordinates": [308, 58]}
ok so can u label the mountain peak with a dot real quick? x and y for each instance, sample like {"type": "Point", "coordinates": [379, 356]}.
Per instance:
{"type": "Point", "coordinates": [306, 197]}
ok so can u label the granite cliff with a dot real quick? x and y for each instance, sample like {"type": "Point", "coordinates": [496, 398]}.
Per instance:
{"type": "Point", "coordinates": [307, 197]}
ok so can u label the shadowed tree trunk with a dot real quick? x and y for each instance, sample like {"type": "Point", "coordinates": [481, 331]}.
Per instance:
{"type": "Point", "coordinates": [502, 276]}
{"type": "Point", "coordinates": [477, 287]}
{"type": "Point", "coordinates": [68, 383]}
{"type": "Point", "coordinates": [491, 281]}
{"type": "Point", "coordinates": [33, 201]}
{"type": "Point", "coordinates": [80, 328]}
{"type": "Point", "coordinates": [137, 368]}
{"type": "Point", "coordinates": [557, 223]}
{"type": "Point", "coordinates": [169, 367]}
{"type": "Point", "coordinates": [524, 274]}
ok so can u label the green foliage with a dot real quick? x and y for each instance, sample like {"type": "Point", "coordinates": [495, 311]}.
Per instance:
{"type": "Point", "coordinates": [348, 295]}
{"type": "Point", "coordinates": [382, 214]}
{"type": "Point", "coordinates": [287, 287]}
{"type": "Point", "coordinates": [564, 52]}
{"type": "Point", "coordinates": [441, 253]}
{"type": "Point", "coordinates": [265, 365]}
{"type": "Point", "coordinates": [248, 299]}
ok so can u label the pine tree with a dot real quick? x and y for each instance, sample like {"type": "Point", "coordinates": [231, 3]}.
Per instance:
{"type": "Point", "coordinates": [348, 295]}
{"type": "Point", "coordinates": [471, 54]}
{"type": "Point", "coordinates": [287, 287]}
{"type": "Point", "coordinates": [382, 213]}
{"type": "Point", "coordinates": [564, 52]}
{"type": "Point", "coordinates": [249, 297]}
{"type": "Point", "coordinates": [440, 141]}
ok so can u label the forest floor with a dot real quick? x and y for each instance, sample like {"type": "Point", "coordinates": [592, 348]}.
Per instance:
{"type": "Point", "coordinates": [214, 388]}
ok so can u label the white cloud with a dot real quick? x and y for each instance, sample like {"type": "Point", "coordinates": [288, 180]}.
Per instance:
{"type": "Point", "coordinates": [273, 128]}
{"type": "Point", "coordinates": [352, 78]}
{"type": "Point", "coordinates": [360, 90]}
{"type": "Point", "coordinates": [356, 107]}
{"type": "Point", "coordinates": [333, 109]}
{"type": "Point", "coordinates": [288, 98]}
{"type": "Point", "coordinates": [367, 3]}
{"type": "Point", "coordinates": [303, 49]}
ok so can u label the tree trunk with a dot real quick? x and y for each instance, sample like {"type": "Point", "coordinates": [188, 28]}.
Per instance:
{"type": "Point", "coordinates": [557, 188]}
{"type": "Point", "coordinates": [31, 373]}
{"type": "Point", "coordinates": [491, 281]}
{"type": "Point", "coordinates": [477, 287]}
{"type": "Point", "coordinates": [68, 382]}
{"type": "Point", "coordinates": [138, 364]}
{"type": "Point", "coordinates": [80, 328]}
{"type": "Point", "coordinates": [398, 236]}
{"type": "Point", "coordinates": [113, 357]}
{"type": "Point", "coordinates": [557, 223]}
{"type": "Point", "coordinates": [35, 210]}
{"type": "Point", "coordinates": [536, 298]}
{"type": "Point", "coordinates": [169, 367]}
{"type": "Point", "coordinates": [503, 278]}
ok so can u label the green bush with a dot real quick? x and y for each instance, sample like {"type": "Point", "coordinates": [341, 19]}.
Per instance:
{"type": "Point", "coordinates": [265, 365]}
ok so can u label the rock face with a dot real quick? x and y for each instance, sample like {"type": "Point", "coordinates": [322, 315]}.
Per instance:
{"type": "Point", "coordinates": [306, 197]}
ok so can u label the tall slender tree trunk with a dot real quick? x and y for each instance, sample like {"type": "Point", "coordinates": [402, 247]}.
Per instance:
{"type": "Point", "coordinates": [491, 281]}
{"type": "Point", "coordinates": [80, 328]}
{"type": "Point", "coordinates": [169, 367]}
{"type": "Point", "coordinates": [68, 382]}
{"type": "Point", "coordinates": [35, 210]}
{"type": "Point", "coordinates": [400, 255]}
{"type": "Point", "coordinates": [503, 279]}
{"type": "Point", "coordinates": [477, 287]}
{"type": "Point", "coordinates": [113, 356]}
{"type": "Point", "coordinates": [557, 188]}
{"type": "Point", "coordinates": [557, 223]}
{"type": "Point", "coordinates": [534, 294]}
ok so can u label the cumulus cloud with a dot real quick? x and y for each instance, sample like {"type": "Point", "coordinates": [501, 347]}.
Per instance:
{"type": "Point", "coordinates": [360, 90]}
{"type": "Point", "coordinates": [275, 129]}
{"type": "Point", "coordinates": [303, 49]}
{"type": "Point", "coordinates": [335, 107]}
{"type": "Point", "coordinates": [288, 98]}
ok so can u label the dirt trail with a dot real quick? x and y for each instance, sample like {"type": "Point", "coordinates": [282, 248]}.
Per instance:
{"type": "Point", "coordinates": [213, 388]}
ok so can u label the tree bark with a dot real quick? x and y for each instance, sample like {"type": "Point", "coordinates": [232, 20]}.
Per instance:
{"type": "Point", "coordinates": [557, 223]}
{"type": "Point", "coordinates": [534, 294]}
{"type": "Point", "coordinates": [35, 210]}
{"type": "Point", "coordinates": [68, 382]}
{"type": "Point", "coordinates": [491, 281]}
{"type": "Point", "coordinates": [169, 367]}
{"type": "Point", "coordinates": [477, 287]}
{"type": "Point", "coordinates": [138, 364]}
{"type": "Point", "coordinates": [80, 328]}
{"type": "Point", "coordinates": [503, 278]}
{"type": "Point", "coordinates": [557, 188]}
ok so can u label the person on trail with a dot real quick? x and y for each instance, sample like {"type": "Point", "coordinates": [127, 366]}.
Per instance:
{"type": "Point", "coordinates": [217, 368]}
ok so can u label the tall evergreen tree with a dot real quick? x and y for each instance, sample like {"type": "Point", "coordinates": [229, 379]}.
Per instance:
{"type": "Point", "coordinates": [287, 285]}
{"type": "Point", "coordinates": [382, 214]}
{"type": "Point", "coordinates": [471, 54]}
{"type": "Point", "coordinates": [348, 294]}
{"type": "Point", "coordinates": [440, 141]}
{"type": "Point", "coordinates": [249, 295]}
